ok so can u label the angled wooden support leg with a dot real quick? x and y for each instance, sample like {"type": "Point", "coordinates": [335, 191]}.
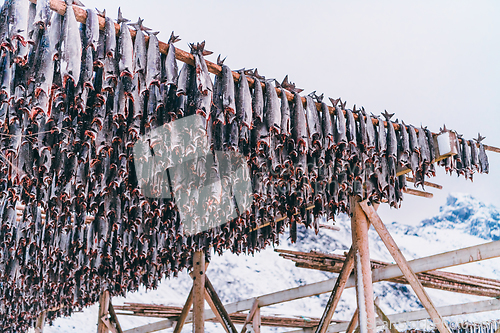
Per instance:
{"type": "Point", "coordinates": [103, 312]}
{"type": "Point", "coordinates": [256, 321]}
{"type": "Point", "coordinates": [249, 318]}
{"type": "Point", "coordinates": [340, 284]}
{"type": "Point", "coordinates": [40, 322]}
{"type": "Point", "coordinates": [199, 292]}
{"type": "Point", "coordinates": [384, 318]}
{"type": "Point", "coordinates": [408, 273]}
{"type": "Point", "coordinates": [217, 307]}
{"type": "Point", "coordinates": [184, 312]}
{"type": "Point", "coordinates": [353, 323]}
{"type": "Point", "coordinates": [114, 318]}
{"type": "Point", "coordinates": [362, 267]}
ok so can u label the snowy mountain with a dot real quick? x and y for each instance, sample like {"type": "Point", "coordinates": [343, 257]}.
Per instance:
{"type": "Point", "coordinates": [462, 222]}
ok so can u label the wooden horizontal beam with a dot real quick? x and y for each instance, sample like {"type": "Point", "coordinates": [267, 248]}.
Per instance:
{"type": "Point", "coordinates": [426, 183]}
{"type": "Point", "coordinates": [438, 261]}
{"type": "Point", "coordinates": [418, 193]}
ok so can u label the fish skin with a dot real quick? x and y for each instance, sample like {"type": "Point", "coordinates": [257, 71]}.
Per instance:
{"type": "Point", "coordinates": [362, 135]}
{"type": "Point", "coordinates": [382, 137]}
{"type": "Point", "coordinates": [170, 61]}
{"type": "Point", "coordinates": [405, 140]}
{"type": "Point", "coordinates": [474, 155]}
{"type": "Point", "coordinates": [370, 130]}
{"type": "Point", "coordinates": [299, 126]}
{"type": "Point", "coordinates": [392, 143]}
{"type": "Point", "coordinates": [110, 33]}
{"type": "Point", "coordinates": [20, 14]}
{"type": "Point", "coordinates": [71, 47]}
{"type": "Point", "coordinates": [258, 101]}
{"type": "Point", "coordinates": [203, 95]}
{"type": "Point", "coordinates": [483, 159]}
{"type": "Point", "coordinates": [466, 154]}
{"type": "Point", "coordinates": [45, 70]}
{"type": "Point", "coordinates": [91, 29]}
{"type": "Point", "coordinates": [183, 79]}
{"type": "Point", "coordinates": [125, 49]}
{"type": "Point", "coordinates": [350, 128]}
{"type": "Point", "coordinates": [153, 71]}
{"type": "Point", "coordinates": [340, 125]}
{"type": "Point", "coordinates": [413, 140]}
{"type": "Point", "coordinates": [228, 95]}
{"type": "Point", "coordinates": [313, 123]}
{"type": "Point", "coordinates": [43, 13]}
{"type": "Point", "coordinates": [244, 102]}
{"type": "Point", "coordinates": [424, 146]}
{"type": "Point", "coordinates": [5, 41]}
{"type": "Point", "coordinates": [286, 122]}
{"type": "Point", "coordinates": [217, 107]}
{"type": "Point", "coordinates": [272, 111]}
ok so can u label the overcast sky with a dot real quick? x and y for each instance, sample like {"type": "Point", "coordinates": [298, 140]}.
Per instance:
{"type": "Point", "coordinates": [430, 62]}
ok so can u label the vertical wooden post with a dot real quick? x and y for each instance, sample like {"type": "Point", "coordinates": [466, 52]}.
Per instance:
{"type": "Point", "coordinates": [40, 322]}
{"type": "Point", "coordinates": [362, 268]}
{"type": "Point", "coordinates": [103, 312]}
{"type": "Point", "coordinates": [199, 292]}
{"type": "Point", "coordinates": [256, 321]}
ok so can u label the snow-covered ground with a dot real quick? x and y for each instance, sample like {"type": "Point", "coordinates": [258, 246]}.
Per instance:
{"type": "Point", "coordinates": [462, 222]}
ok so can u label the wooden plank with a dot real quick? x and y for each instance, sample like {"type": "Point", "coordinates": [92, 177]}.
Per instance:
{"type": "Point", "coordinates": [153, 327]}
{"type": "Point", "coordinates": [249, 318]}
{"type": "Point", "coordinates": [334, 299]}
{"type": "Point", "coordinates": [40, 322]}
{"type": "Point", "coordinates": [362, 267]}
{"type": "Point", "coordinates": [217, 307]}
{"type": "Point", "coordinates": [199, 292]}
{"type": "Point", "coordinates": [184, 313]}
{"type": "Point", "coordinates": [353, 324]}
{"type": "Point", "coordinates": [114, 318]}
{"type": "Point", "coordinates": [103, 311]}
{"type": "Point", "coordinates": [409, 274]}
{"type": "Point", "coordinates": [448, 259]}
{"type": "Point", "coordinates": [256, 323]}
{"type": "Point", "coordinates": [426, 183]}
{"type": "Point", "coordinates": [418, 193]}
{"type": "Point", "coordinates": [384, 318]}
{"type": "Point", "coordinates": [329, 227]}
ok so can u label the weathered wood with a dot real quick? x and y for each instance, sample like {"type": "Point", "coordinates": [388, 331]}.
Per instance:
{"type": "Point", "coordinates": [199, 292]}
{"type": "Point", "coordinates": [353, 324]}
{"type": "Point", "coordinates": [153, 327]}
{"type": "Point", "coordinates": [362, 268]}
{"type": "Point", "coordinates": [329, 227]}
{"type": "Point", "coordinates": [108, 324]}
{"type": "Point", "coordinates": [217, 307]}
{"type": "Point", "coordinates": [334, 299]}
{"type": "Point", "coordinates": [256, 322]}
{"type": "Point", "coordinates": [448, 259]}
{"type": "Point", "coordinates": [426, 183]}
{"type": "Point", "coordinates": [184, 313]}
{"type": "Point", "coordinates": [114, 318]}
{"type": "Point", "coordinates": [384, 318]}
{"type": "Point", "coordinates": [409, 274]}
{"type": "Point", "coordinates": [418, 193]}
{"type": "Point", "coordinates": [250, 315]}
{"type": "Point", "coordinates": [445, 311]}
{"type": "Point", "coordinates": [40, 322]}
{"type": "Point", "coordinates": [103, 312]}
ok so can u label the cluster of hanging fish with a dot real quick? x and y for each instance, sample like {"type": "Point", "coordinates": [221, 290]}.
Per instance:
{"type": "Point", "coordinates": [75, 99]}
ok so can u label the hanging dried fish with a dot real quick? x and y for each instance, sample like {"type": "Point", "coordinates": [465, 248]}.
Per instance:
{"type": "Point", "coordinates": [71, 47]}
{"type": "Point", "coordinates": [170, 62]}
{"type": "Point", "coordinates": [272, 111]}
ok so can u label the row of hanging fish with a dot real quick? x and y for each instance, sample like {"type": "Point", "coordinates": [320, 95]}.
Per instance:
{"type": "Point", "coordinates": [75, 101]}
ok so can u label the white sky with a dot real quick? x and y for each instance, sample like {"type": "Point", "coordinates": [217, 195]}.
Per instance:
{"type": "Point", "coordinates": [430, 62]}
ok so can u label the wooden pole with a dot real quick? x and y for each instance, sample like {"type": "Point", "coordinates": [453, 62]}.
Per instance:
{"type": "Point", "coordinates": [384, 318]}
{"type": "Point", "coordinates": [114, 318]}
{"type": "Point", "coordinates": [199, 292]}
{"type": "Point", "coordinates": [363, 270]}
{"type": "Point", "coordinates": [40, 322]}
{"type": "Point", "coordinates": [409, 274]}
{"type": "Point", "coordinates": [249, 318]}
{"type": "Point", "coordinates": [184, 313]}
{"type": "Point", "coordinates": [103, 312]}
{"type": "Point", "coordinates": [256, 321]}
{"type": "Point", "coordinates": [353, 323]}
{"type": "Point", "coordinates": [340, 284]}
{"type": "Point", "coordinates": [217, 307]}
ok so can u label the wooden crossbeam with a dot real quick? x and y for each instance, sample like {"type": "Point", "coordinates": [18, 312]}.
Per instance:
{"type": "Point", "coordinates": [409, 274]}
{"type": "Point", "coordinates": [426, 183]}
{"type": "Point", "coordinates": [384, 318]}
{"type": "Point", "coordinates": [334, 299]}
{"type": "Point", "coordinates": [448, 259]}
